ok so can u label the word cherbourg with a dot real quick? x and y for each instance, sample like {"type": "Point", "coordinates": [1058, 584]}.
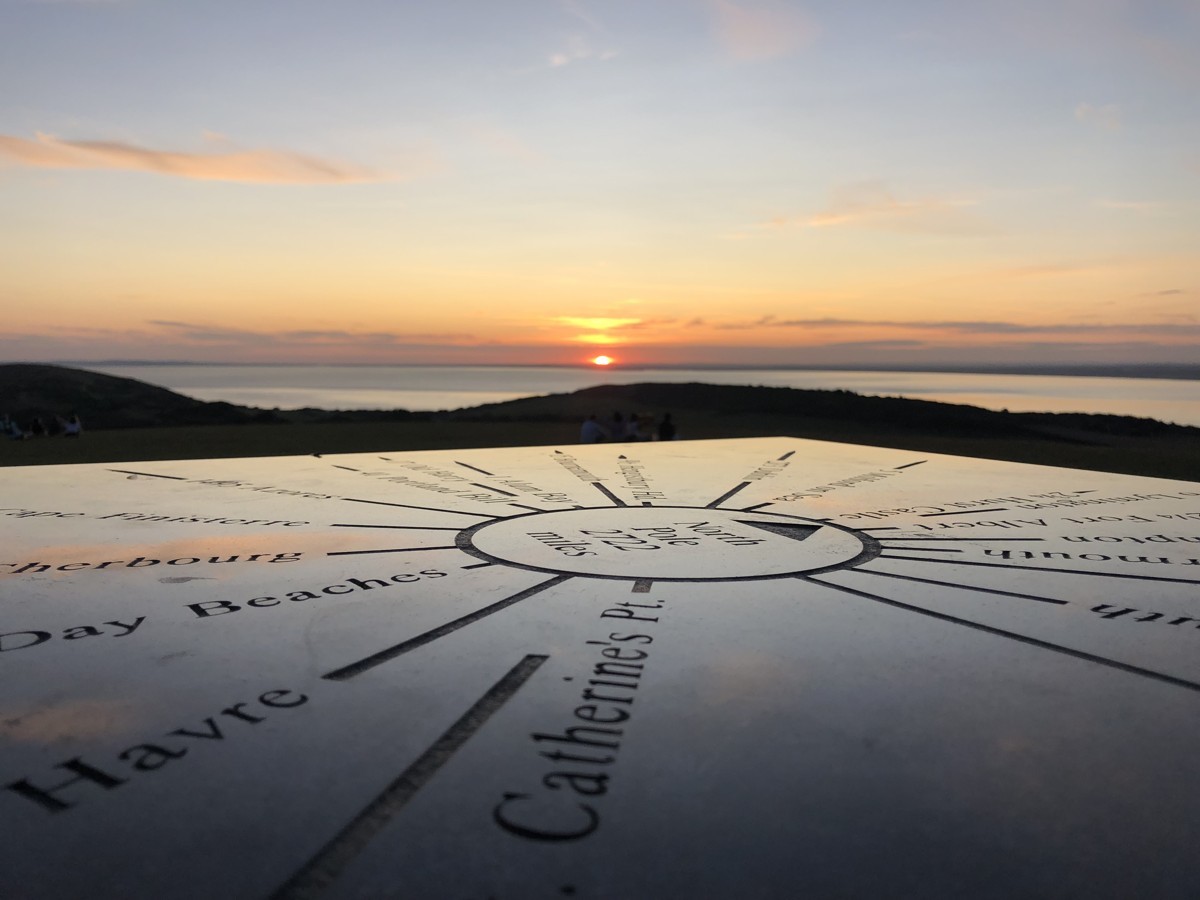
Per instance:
{"type": "Point", "coordinates": [742, 668]}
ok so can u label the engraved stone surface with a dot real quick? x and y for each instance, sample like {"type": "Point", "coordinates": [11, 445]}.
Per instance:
{"type": "Point", "coordinates": [752, 668]}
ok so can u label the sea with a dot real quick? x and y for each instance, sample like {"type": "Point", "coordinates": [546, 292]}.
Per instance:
{"type": "Point", "coordinates": [455, 387]}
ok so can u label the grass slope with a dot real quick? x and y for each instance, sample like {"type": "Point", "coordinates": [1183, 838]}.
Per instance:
{"type": "Point", "coordinates": [29, 391]}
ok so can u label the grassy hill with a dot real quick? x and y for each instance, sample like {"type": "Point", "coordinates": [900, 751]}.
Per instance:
{"type": "Point", "coordinates": [128, 420]}
{"type": "Point", "coordinates": [29, 391]}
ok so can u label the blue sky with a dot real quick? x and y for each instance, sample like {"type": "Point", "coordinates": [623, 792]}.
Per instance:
{"type": "Point", "coordinates": [674, 181]}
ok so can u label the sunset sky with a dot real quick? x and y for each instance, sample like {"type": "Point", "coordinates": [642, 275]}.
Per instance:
{"type": "Point", "coordinates": [540, 181]}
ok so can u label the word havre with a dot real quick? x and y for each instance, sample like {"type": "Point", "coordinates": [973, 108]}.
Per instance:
{"type": "Point", "coordinates": [146, 757]}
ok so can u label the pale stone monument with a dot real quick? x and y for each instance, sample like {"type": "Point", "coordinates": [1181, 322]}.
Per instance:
{"type": "Point", "coordinates": [756, 668]}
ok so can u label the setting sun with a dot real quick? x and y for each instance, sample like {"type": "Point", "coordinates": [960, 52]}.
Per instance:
{"type": "Point", "coordinates": [602, 360]}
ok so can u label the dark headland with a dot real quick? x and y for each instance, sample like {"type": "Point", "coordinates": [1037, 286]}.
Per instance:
{"type": "Point", "coordinates": [126, 420]}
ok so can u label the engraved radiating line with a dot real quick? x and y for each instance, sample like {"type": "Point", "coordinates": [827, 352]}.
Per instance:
{"type": "Point", "coordinates": [402, 527]}
{"type": "Point", "coordinates": [617, 501]}
{"type": "Point", "coordinates": [494, 490]}
{"type": "Point", "coordinates": [930, 538]}
{"type": "Point", "coordinates": [149, 474]}
{"type": "Point", "coordinates": [530, 508]}
{"type": "Point", "coordinates": [728, 494]}
{"type": "Point", "coordinates": [347, 468]}
{"type": "Point", "coordinates": [963, 512]}
{"type": "Point", "coordinates": [882, 528]}
{"type": "Point", "coordinates": [390, 653]}
{"type": "Point", "coordinates": [964, 562]}
{"type": "Point", "coordinates": [787, 515]}
{"type": "Point", "coordinates": [787, 455]}
{"type": "Point", "coordinates": [924, 549]}
{"type": "Point", "coordinates": [560, 453]}
{"type": "Point", "coordinates": [1000, 632]}
{"type": "Point", "coordinates": [956, 584]}
{"type": "Point", "coordinates": [331, 860]}
{"type": "Point", "coordinates": [642, 586]}
{"type": "Point", "coordinates": [474, 468]}
{"type": "Point", "coordinates": [454, 512]}
{"type": "Point", "coordinates": [477, 565]}
{"type": "Point", "coordinates": [388, 550]}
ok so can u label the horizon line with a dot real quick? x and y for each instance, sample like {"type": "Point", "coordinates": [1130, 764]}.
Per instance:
{"type": "Point", "coordinates": [1147, 370]}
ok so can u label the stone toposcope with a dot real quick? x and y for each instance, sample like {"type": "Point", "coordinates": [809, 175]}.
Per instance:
{"type": "Point", "coordinates": [749, 668]}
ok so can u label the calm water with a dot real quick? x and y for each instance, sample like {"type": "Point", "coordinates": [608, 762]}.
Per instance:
{"type": "Point", "coordinates": [453, 387]}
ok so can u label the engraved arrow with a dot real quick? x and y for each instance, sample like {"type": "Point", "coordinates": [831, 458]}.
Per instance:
{"type": "Point", "coordinates": [795, 531]}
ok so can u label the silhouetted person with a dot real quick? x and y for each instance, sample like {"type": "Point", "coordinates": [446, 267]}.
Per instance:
{"type": "Point", "coordinates": [38, 428]}
{"type": "Point", "coordinates": [72, 427]}
{"type": "Point", "coordinates": [591, 432]}
{"type": "Point", "coordinates": [666, 428]}
{"type": "Point", "coordinates": [633, 427]}
{"type": "Point", "coordinates": [616, 427]}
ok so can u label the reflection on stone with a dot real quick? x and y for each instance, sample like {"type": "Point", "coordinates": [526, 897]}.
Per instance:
{"type": "Point", "coordinates": [672, 670]}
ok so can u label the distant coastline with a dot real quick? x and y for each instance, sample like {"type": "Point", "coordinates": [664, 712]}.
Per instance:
{"type": "Point", "coordinates": [1169, 371]}
{"type": "Point", "coordinates": [126, 419]}
{"type": "Point", "coordinates": [431, 388]}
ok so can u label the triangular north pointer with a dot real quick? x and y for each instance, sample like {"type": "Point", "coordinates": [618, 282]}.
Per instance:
{"type": "Point", "coordinates": [796, 532]}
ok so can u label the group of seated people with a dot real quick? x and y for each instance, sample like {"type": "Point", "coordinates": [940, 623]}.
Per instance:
{"type": "Point", "coordinates": [626, 428]}
{"type": "Point", "coordinates": [38, 427]}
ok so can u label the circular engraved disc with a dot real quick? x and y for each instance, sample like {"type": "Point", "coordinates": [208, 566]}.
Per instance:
{"type": "Point", "coordinates": [668, 543]}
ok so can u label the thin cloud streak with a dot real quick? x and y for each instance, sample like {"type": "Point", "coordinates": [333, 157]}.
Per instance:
{"type": "Point", "coordinates": [751, 32]}
{"type": "Point", "coordinates": [1141, 206]}
{"type": "Point", "coordinates": [215, 333]}
{"type": "Point", "coordinates": [251, 166]}
{"type": "Point", "coordinates": [1107, 117]}
{"type": "Point", "coordinates": [577, 9]}
{"type": "Point", "coordinates": [597, 323]}
{"type": "Point", "coordinates": [187, 341]}
{"type": "Point", "coordinates": [77, 345]}
{"type": "Point", "coordinates": [577, 49]}
{"type": "Point", "coordinates": [872, 204]}
{"type": "Point", "coordinates": [971, 327]}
